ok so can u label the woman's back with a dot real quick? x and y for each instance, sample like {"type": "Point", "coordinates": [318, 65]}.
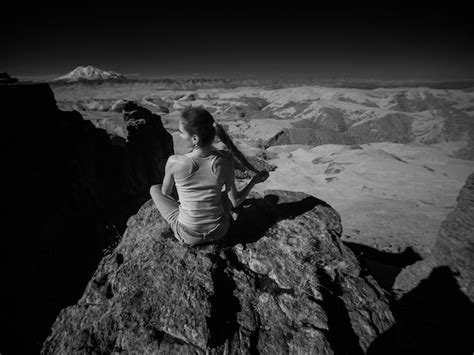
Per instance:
{"type": "Point", "coordinates": [200, 192]}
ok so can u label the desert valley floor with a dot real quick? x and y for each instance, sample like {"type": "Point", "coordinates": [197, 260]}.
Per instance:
{"type": "Point", "coordinates": [391, 161]}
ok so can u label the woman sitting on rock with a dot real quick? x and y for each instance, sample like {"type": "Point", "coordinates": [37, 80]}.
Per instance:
{"type": "Point", "coordinates": [203, 211]}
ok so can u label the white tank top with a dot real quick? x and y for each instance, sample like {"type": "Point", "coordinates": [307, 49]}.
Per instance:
{"type": "Point", "coordinates": [200, 194]}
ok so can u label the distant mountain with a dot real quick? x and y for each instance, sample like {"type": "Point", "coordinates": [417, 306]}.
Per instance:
{"type": "Point", "coordinates": [90, 73]}
{"type": "Point", "coordinates": [95, 76]}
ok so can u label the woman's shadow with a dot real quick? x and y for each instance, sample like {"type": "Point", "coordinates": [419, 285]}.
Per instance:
{"type": "Point", "coordinates": [256, 215]}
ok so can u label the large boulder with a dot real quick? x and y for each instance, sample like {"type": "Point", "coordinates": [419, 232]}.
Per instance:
{"type": "Point", "coordinates": [69, 189]}
{"type": "Point", "coordinates": [280, 282]}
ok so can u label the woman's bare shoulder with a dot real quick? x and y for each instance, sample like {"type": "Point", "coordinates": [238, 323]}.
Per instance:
{"type": "Point", "coordinates": [182, 164]}
{"type": "Point", "coordinates": [224, 160]}
{"type": "Point", "coordinates": [180, 159]}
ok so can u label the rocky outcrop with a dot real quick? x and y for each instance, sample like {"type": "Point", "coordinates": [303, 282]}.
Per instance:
{"type": "Point", "coordinates": [280, 282]}
{"type": "Point", "coordinates": [455, 244]}
{"type": "Point", "coordinates": [309, 136]}
{"type": "Point", "coordinates": [69, 190]}
{"type": "Point", "coordinates": [454, 247]}
{"type": "Point", "coordinates": [6, 79]}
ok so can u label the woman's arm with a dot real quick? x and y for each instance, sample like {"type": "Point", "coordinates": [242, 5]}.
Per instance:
{"type": "Point", "coordinates": [237, 197]}
{"type": "Point", "coordinates": [168, 181]}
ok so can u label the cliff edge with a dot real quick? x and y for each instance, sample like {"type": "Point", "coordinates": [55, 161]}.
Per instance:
{"type": "Point", "coordinates": [69, 189]}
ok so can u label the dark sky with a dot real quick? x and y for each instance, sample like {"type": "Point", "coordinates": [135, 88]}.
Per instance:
{"type": "Point", "coordinates": [390, 42]}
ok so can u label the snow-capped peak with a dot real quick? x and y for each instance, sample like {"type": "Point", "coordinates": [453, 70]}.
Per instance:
{"type": "Point", "coordinates": [89, 73]}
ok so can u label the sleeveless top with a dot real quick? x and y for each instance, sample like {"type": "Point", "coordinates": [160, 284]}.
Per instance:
{"type": "Point", "coordinates": [199, 194]}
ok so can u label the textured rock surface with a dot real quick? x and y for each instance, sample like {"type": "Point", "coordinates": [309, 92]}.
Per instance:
{"type": "Point", "coordinates": [454, 247]}
{"type": "Point", "coordinates": [281, 281]}
{"type": "Point", "coordinates": [69, 191]}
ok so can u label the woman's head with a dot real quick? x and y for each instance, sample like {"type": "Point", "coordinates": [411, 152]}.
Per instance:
{"type": "Point", "coordinates": [197, 126]}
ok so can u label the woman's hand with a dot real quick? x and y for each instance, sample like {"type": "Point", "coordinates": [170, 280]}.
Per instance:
{"type": "Point", "coordinates": [260, 177]}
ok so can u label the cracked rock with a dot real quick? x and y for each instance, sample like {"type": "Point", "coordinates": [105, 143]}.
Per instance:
{"type": "Point", "coordinates": [167, 297]}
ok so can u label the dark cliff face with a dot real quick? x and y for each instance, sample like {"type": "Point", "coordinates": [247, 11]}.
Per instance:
{"type": "Point", "coordinates": [70, 189]}
{"type": "Point", "coordinates": [434, 307]}
{"type": "Point", "coordinates": [455, 243]}
{"type": "Point", "coordinates": [280, 282]}
{"type": "Point", "coordinates": [454, 247]}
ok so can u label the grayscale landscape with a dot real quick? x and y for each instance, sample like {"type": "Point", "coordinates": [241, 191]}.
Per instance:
{"type": "Point", "coordinates": [352, 141]}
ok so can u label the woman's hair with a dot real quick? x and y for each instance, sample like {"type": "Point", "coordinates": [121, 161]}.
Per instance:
{"type": "Point", "coordinates": [199, 121]}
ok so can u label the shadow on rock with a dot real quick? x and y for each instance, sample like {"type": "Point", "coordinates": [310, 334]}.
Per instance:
{"type": "Point", "coordinates": [383, 266]}
{"type": "Point", "coordinates": [434, 318]}
{"type": "Point", "coordinates": [222, 322]}
{"type": "Point", "coordinates": [257, 215]}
